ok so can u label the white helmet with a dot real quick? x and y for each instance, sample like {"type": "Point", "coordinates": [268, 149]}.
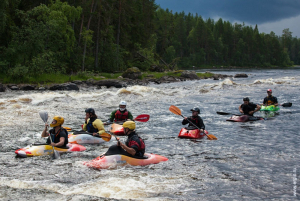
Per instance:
{"type": "Point", "coordinates": [123, 103]}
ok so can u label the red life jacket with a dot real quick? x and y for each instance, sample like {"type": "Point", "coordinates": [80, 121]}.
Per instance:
{"type": "Point", "coordinates": [119, 116]}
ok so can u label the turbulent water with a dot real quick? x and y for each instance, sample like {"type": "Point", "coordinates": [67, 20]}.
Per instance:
{"type": "Point", "coordinates": [251, 160]}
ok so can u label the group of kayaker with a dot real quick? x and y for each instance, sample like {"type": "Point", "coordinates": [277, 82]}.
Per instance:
{"type": "Point", "coordinates": [249, 108]}
{"type": "Point", "coordinates": [135, 146]}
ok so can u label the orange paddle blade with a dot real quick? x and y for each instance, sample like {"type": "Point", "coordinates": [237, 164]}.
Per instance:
{"type": "Point", "coordinates": [211, 137]}
{"type": "Point", "coordinates": [105, 136]}
{"type": "Point", "coordinates": [67, 128]}
{"type": "Point", "coordinates": [175, 110]}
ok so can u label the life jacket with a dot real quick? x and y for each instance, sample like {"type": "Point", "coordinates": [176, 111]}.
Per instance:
{"type": "Point", "coordinates": [55, 137]}
{"type": "Point", "coordinates": [119, 116]}
{"type": "Point", "coordinates": [90, 128]}
{"type": "Point", "coordinates": [270, 100]}
{"type": "Point", "coordinates": [133, 141]}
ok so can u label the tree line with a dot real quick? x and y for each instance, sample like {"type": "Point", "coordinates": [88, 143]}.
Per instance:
{"type": "Point", "coordinates": [71, 36]}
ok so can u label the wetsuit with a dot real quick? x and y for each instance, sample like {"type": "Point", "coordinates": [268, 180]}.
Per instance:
{"type": "Point", "coordinates": [94, 125]}
{"type": "Point", "coordinates": [195, 120]}
{"type": "Point", "coordinates": [119, 115]}
{"type": "Point", "coordinates": [270, 100]}
{"type": "Point", "coordinates": [135, 142]}
{"type": "Point", "coordinates": [56, 136]}
{"type": "Point", "coordinates": [248, 108]}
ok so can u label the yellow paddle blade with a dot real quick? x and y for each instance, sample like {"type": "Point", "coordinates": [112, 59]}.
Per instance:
{"type": "Point", "coordinates": [175, 110]}
{"type": "Point", "coordinates": [105, 136]}
{"type": "Point", "coordinates": [211, 137]}
{"type": "Point", "coordinates": [67, 128]}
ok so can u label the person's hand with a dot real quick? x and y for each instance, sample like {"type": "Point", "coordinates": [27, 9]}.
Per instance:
{"type": "Point", "coordinates": [201, 130]}
{"type": "Point", "coordinates": [46, 126]}
{"type": "Point", "coordinates": [185, 118]}
{"type": "Point", "coordinates": [86, 118]}
{"type": "Point", "coordinates": [95, 134]}
{"type": "Point", "coordinates": [251, 112]}
{"type": "Point", "coordinates": [53, 144]}
{"type": "Point", "coordinates": [241, 112]}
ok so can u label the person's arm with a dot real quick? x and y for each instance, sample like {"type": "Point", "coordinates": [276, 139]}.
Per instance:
{"type": "Point", "coordinates": [185, 121]}
{"type": "Point", "coordinates": [60, 143]}
{"type": "Point", "coordinates": [201, 124]}
{"type": "Point", "coordinates": [265, 101]}
{"type": "Point", "coordinates": [99, 125]}
{"type": "Point", "coordinates": [241, 110]}
{"type": "Point", "coordinates": [129, 150]}
{"type": "Point", "coordinates": [45, 133]}
{"type": "Point", "coordinates": [256, 109]}
{"type": "Point", "coordinates": [112, 116]}
{"type": "Point", "coordinates": [275, 101]}
{"type": "Point", "coordinates": [85, 124]}
{"type": "Point", "coordinates": [130, 116]}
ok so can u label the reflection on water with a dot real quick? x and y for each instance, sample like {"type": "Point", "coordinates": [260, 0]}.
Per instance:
{"type": "Point", "coordinates": [251, 160]}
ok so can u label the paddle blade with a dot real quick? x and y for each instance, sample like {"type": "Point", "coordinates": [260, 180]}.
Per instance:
{"type": "Point", "coordinates": [55, 155]}
{"type": "Point", "coordinates": [287, 105]}
{"type": "Point", "coordinates": [223, 113]}
{"type": "Point", "coordinates": [105, 136]}
{"type": "Point", "coordinates": [142, 118]}
{"type": "Point", "coordinates": [175, 110]}
{"type": "Point", "coordinates": [211, 137]}
{"type": "Point", "coordinates": [44, 116]}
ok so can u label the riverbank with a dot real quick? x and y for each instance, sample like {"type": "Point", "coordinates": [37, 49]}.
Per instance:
{"type": "Point", "coordinates": [75, 82]}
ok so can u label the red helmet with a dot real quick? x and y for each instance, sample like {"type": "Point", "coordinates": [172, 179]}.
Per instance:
{"type": "Point", "coordinates": [269, 90]}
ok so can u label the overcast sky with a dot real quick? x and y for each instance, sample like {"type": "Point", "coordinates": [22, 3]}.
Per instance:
{"type": "Point", "coordinates": [269, 15]}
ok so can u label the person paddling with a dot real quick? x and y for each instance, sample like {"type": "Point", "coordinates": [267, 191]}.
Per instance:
{"type": "Point", "coordinates": [134, 145]}
{"type": "Point", "coordinates": [58, 134]}
{"type": "Point", "coordinates": [269, 99]}
{"type": "Point", "coordinates": [248, 108]}
{"type": "Point", "coordinates": [121, 114]}
{"type": "Point", "coordinates": [92, 124]}
{"type": "Point", "coordinates": [195, 119]}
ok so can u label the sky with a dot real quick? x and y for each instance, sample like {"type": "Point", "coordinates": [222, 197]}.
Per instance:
{"type": "Point", "coordinates": [269, 15]}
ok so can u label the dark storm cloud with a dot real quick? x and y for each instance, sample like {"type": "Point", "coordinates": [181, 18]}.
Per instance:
{"type": "Point", "coordinates": [251, 11]}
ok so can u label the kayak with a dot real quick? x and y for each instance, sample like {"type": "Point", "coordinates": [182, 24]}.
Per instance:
{"type": "Point", "coordinates": [243, 118]}
{"type": "Point", "coordinates": [84, 139]}
{"type": "Point", "coordinates": [191, 133]}
{"type": "Point", "coordinates": [117, 128]}
{"type": "Point", "coordinates": [269, 108]}
{"type": "Point", "coordinates": [45, 149]}
{"type": "Point", "coordinates": [116, 156]}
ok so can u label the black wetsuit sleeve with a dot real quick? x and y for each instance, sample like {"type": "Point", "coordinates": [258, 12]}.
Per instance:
{"type": "Point", "coordinates": [201, 124]}
{"type": "Point", "coordinates": [275, 100]}
{"type": "Point", "coordinates": [184, 121]}
{"type": "Point", "coordinates": [265, 100]}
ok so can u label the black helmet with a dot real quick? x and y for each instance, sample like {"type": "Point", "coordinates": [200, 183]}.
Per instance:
{"type": "Point", "coordinates": [196, 109]}
{"type": "Point", "coordinates": [90, 110]}
{"type": "Point", "coordinates": [246, 99]}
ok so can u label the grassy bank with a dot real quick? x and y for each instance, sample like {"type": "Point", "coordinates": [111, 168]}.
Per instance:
{"type": "Point", "coordinates": [62, 78]}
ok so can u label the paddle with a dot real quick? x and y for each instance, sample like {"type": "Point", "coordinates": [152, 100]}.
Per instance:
{"type": "Point", "coordinates": [226, 113]}
{"type": "Point", "coordinates": [177, 111]}
{"type": "Point", "coordinates": [105, 136]}
{"type": "Point", "coordinates": [142, 118]}
{"type": "Point", "coordinates": [286, 104]}
{"type": "Point", "coordinates": [44, 117]}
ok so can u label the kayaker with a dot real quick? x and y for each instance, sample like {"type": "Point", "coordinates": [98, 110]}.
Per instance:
{"type": "Point", "coordinates": [195, 119]}
{"type": "Point", "coordinates": [58, 134]}
{"type": "Point", "coordinates": [248, 108]}
{"type": "Point", "coordinates": [269, 99]}
{"type": "Point", "coordinates": [92, 124]}
{"type": "Point", "coordinates": [121, 114]}
{"type": "Point", "coordinates": [134, 145]}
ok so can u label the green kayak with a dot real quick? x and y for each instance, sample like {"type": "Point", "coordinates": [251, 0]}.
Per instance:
{"type": "Point", "coordinates": [269, 108]}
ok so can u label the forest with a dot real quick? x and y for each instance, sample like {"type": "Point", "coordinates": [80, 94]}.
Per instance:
{"type": "Point", "coordinates": [68, 37]}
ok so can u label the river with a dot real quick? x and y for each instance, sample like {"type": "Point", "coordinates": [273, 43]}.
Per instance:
{"type": "Point", "coordinates": [249, 161]}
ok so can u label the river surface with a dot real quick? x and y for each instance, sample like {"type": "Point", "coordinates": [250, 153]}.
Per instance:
{"type": "Point", "coordinates": [249, 161]}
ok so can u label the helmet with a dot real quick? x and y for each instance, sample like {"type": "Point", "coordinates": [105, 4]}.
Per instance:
{"type": "Point", "coordinates": [59, 121]}
{"type": "Point", "coordinates": [129, 124]}
{"type": "Point", "coordinates": [122, 103]}
{"type": "Point", "coordinates": [90, 110]}
{"type": "Point", "coordinates": [246, 99]}
{"type": "Point", "coordinates": [196, 109]}
{"type": "Point", "coordinates": [269, 90]}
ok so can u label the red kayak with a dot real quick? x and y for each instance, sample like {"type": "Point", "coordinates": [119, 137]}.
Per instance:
{"type": "Point", "coordinates": [191, 133]}
{"type": "Point", "coordinates": [243, 118]}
